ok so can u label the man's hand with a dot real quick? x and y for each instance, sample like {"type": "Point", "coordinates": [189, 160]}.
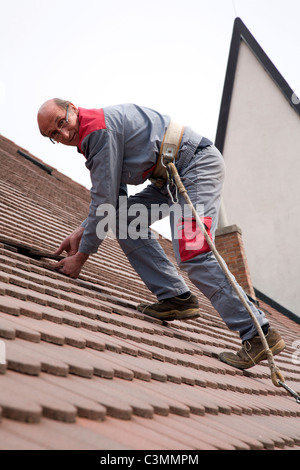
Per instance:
{"type": "Point", "coordinates": [71, 243]}
{"type": "Point", "coordinates": [72, 265]}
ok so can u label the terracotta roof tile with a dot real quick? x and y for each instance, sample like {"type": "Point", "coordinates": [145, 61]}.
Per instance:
{"type": "Point", "coordinates": [85, 370]}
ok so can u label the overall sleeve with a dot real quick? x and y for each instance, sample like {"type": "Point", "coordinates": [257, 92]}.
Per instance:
{"type": "Point", "coordinates": [105, 161]}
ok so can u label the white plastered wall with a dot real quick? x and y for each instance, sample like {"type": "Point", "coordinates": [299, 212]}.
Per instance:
{"type": "Point", "coordinates": [262, 187]}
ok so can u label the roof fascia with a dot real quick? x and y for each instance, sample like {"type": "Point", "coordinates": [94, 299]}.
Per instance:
{"type": "Point", "coordinates": [241, 33]}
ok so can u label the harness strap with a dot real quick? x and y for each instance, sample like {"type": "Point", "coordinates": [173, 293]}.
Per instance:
{"type": "Point", "coordinates": [168, 153]}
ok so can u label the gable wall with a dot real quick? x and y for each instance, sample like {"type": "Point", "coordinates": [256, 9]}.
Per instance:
{"type": "Point", "coordinates": [262, 191]}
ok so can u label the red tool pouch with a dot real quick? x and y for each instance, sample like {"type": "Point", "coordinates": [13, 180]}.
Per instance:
{"type": "Point", "coordinates": [190, 238]}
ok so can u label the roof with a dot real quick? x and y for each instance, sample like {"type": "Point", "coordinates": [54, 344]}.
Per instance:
{"type": "Point", "coordinates": [85, 370]}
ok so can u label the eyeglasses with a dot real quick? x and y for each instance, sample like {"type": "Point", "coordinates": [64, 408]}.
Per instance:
{"type": "Point", "coordinates": [63, 123]}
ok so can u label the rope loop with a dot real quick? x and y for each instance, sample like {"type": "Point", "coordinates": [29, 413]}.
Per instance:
{"type": "Point", "coordinates": [277, 377]}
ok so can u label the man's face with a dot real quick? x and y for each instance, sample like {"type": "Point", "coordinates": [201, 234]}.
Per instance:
{"type": "Point", "coordinates": [52, 123]}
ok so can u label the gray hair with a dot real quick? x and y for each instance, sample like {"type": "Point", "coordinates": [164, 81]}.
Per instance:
{"type": "Point", "coordinates": [61, 103]}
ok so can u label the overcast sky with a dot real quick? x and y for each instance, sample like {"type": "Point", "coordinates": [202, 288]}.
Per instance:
{"type": "Point", "coordinates": [170, 55]}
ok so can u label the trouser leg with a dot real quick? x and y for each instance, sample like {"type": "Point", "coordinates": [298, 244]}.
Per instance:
{"type": "Point", "coordinates": [203, 179]}
{"type": "Point", "coordinates": [204, 271]}
{"type": "Point", "coordinates": [142, 249]}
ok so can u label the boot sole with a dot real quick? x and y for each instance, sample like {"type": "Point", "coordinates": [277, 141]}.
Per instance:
{"type": "Point", "coordinates": [175, 315]}
{"type": "Point", "coordinates": [262, 356]}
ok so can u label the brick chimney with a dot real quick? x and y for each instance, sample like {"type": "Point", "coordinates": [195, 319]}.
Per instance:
{"type": "Point", "coordinates": [229, 244]}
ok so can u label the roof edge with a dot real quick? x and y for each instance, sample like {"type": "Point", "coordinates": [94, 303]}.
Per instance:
{"type": "Point", "coordinates": [272, 303]}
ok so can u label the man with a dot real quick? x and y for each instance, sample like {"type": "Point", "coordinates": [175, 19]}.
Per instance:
{"type": "Point", "coordinates": [121, 145]}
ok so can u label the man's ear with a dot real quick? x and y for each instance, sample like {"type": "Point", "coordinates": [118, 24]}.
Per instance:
{"type": "Point", "coordinates": [75, 110]}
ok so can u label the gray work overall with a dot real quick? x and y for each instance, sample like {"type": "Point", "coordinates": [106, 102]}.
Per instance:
{"type": "Point", "coordinates": [121, 143]}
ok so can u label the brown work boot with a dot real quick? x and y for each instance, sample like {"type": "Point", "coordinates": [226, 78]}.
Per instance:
{"type": "Point", "coordinates": [172, 309]}
{"type": "Point", "coordinates": [253, 351]}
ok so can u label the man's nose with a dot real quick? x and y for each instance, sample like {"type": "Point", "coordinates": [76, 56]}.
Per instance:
{"type": "Point", "coordinates": [64, 134]}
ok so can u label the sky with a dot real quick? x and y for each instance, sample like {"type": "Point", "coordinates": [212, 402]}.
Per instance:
{"type": "Point", "coordinates": [169, 55]}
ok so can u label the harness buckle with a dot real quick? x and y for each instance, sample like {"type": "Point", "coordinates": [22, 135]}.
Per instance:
{"type": "Point", "coordinates": [168, 157]}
